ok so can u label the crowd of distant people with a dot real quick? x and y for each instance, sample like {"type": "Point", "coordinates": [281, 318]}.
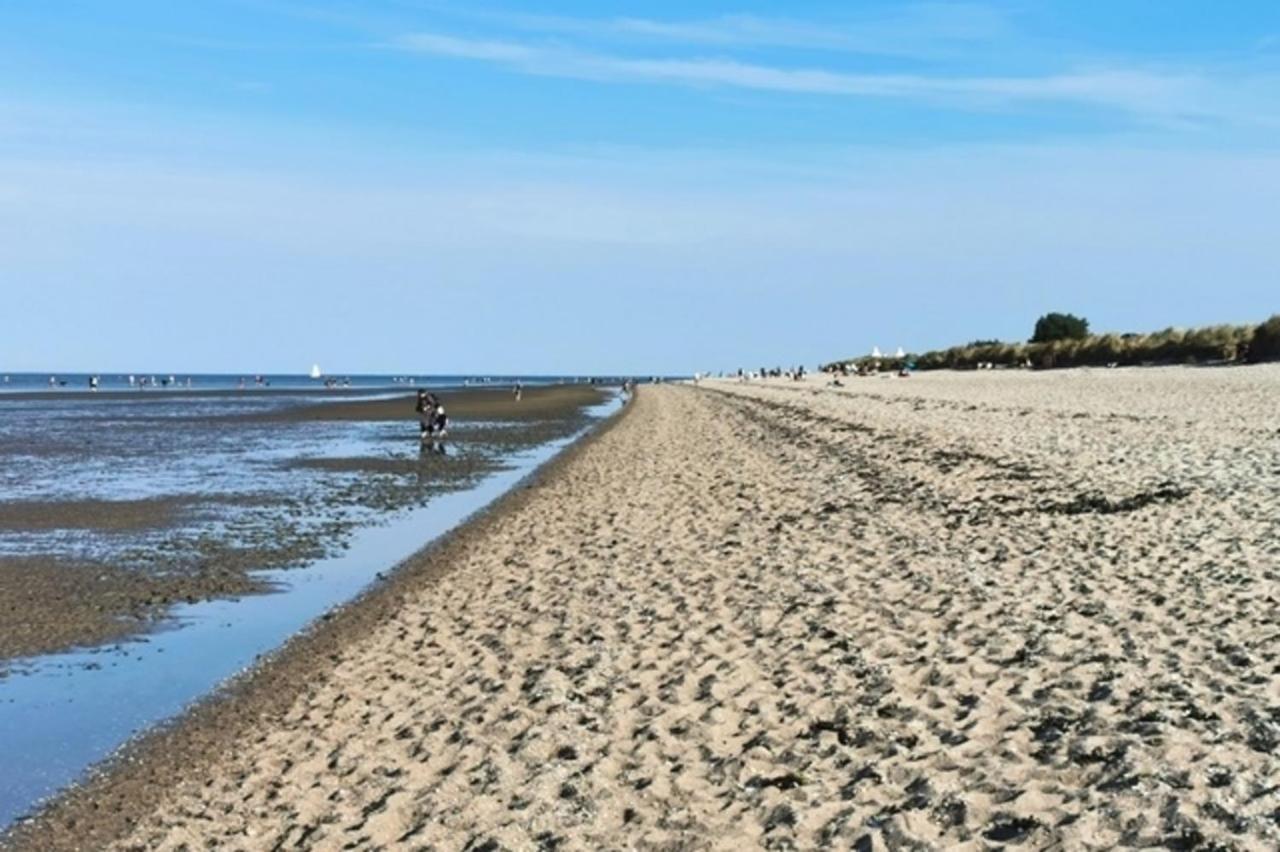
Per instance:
{"type": "Point", "coordinates": [795, 374]}
{"type": "Point", "coordinates": [835, 371]}
{"type": "Point", "coordinates": [138, 382]}
{"type": "Point", "coordinates": [870, 368]}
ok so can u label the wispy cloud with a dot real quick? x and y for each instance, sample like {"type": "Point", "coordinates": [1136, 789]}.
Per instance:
{"type": "Point", "coordinates": [1154, 95]}
{"type": "Point", "coordinates": [913, 29]}
{"type": "Point", "coordinates": [465, 48]}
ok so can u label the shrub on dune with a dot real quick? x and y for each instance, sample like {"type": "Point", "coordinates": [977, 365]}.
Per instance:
{"type": "Point", "coordinates": [1214, 343]}
{"type": "Point", "coordinates": [1055, 326]}
{"type": "Point", "coordinates": [1265, 345]}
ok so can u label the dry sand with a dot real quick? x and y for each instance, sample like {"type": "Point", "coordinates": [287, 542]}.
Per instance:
{"type": "Point", "coordinates": [952, 611]}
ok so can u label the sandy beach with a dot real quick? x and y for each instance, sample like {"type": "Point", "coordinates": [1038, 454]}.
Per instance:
{"type": "Point", "coordinates": [955, 611]}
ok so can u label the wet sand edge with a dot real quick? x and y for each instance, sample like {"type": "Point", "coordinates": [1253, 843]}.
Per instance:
{"type": "Point", "coordinates": [103, 807]}
{"type": "Point", "coordinates": [56, 602]}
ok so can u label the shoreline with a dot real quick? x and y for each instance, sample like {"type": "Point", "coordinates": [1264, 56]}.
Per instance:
{"type": "Point", "coordinates": [135, 777]}
{"type": "Point", "coordinates": [928, 614]}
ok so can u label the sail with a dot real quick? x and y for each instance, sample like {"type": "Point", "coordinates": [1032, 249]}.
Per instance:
{"type": "Point", "coordinates": [315, 371]}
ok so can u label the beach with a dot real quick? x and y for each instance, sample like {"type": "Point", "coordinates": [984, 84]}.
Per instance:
{"type": "Point", "coordinates": [956, 610]}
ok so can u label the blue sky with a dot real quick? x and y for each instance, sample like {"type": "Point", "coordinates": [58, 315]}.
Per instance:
{"type": "Point", "coordinates": [252, 185]}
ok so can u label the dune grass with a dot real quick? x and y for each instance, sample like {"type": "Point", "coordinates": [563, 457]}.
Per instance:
{"type": "Point", "coordinates": [1206, 345]}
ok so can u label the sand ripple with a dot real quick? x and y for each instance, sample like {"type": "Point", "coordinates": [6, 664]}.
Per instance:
{"type": "Point", "coordinates": [908, 615]}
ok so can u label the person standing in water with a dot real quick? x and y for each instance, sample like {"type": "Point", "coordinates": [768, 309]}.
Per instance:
{"type": "Point", "coordinates": [431, 416]}
{"type": "Point", "coordinates": [518, 391]}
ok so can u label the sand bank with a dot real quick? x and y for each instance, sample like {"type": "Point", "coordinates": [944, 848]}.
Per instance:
{"type": "Point", "coordinates": [943, 613]}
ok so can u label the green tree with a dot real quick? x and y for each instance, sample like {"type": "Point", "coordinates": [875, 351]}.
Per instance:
{"type": "Point", "coordinates": [1051, 327]}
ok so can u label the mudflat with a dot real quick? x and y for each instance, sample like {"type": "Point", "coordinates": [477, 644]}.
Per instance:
{"type": "Point", "coordinates": [496, 404]}
{"type": "Point", "coordinates": [950, 611]}
{"type": "Point", "coordinates": [120, 515]}
{"type": "Point", "coordinates": [57, 592]}
{"type": "Point", "coordinates": [51, 603]}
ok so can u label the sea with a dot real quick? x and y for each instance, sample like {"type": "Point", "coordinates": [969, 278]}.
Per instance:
{"type": "Point", "coordinates": [162, 381]}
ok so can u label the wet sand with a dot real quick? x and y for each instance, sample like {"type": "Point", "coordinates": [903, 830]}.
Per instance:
{"type": "Point", "coordinates": [50, 602]}
{"type": "Point", "coordinates": [959, 611]}
{"type": "Point", "coordinates": [489, 404]}
{"type": "Point", "coordinates": [116, 515]}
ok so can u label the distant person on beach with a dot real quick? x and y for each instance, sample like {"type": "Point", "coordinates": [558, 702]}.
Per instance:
{"type": "Point", "coordinates": [432, 421]}
{"type": "Point", "coordinates": [518, 391]}
{"type": "Point", "coordinates": [93, 383]}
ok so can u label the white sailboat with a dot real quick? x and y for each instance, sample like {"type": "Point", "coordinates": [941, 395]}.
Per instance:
{"type": "Point", "coordinates": [315, 371]}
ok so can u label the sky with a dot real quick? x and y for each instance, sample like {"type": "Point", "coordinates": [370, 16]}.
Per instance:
{"type": "Point", "coordinates": [599, 187]}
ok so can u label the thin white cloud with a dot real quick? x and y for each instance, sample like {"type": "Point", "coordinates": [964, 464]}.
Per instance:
{"type": "Point", "coordinates": [462, 48]}
{"type": "Point", "coordinates": [913, 29]}
{"type": "Point", "coordinates": [1148, 94]}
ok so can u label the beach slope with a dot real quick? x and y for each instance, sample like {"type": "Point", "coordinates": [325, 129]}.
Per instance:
{"type": "Point", "coordinates": [898, 615]}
